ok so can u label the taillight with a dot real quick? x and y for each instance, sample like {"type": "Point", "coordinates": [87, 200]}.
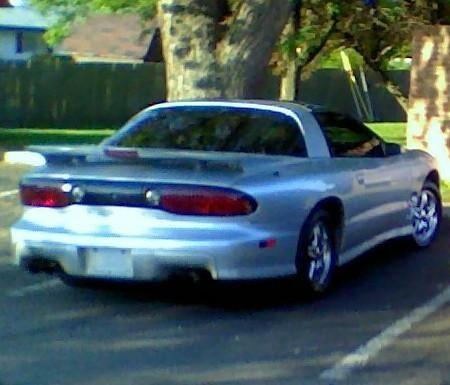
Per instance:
{"type": "Point", "coordinates": [206, 201]}
{"type": "Point", "coordinates": [176, 199]}
{"type": "Point", "coordinates": [44, 196]}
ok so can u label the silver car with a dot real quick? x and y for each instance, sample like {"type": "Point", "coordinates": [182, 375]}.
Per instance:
{"type": "Point", "coordinates": [224, 190]}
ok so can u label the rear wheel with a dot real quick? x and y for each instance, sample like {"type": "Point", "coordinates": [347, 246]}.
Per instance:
{"type": "Point", "coordinates": [316, 257]}
{"type": "Point", "coordinates": [426, 215]}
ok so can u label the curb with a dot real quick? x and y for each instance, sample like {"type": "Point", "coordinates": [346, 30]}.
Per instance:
{"type": "Point", "coordinates": [27, 158]}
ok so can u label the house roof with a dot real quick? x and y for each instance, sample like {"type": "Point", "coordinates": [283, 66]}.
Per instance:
{"type": "Point", "coordinates": [22, 18]}
{"type": "Point", "coordinates": [110, 36]}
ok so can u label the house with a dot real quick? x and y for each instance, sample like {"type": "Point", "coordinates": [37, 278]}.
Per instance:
{"type": "Point", "coordinates": [21, 32]}
{"type": "Point", "coordinates": [113, 38]}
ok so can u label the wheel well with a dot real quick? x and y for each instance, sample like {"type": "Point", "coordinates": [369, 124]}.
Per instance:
{"type": "Point", "coordinates": [335, 208]}
{"type": "Point", "coordinates": [433, 177]}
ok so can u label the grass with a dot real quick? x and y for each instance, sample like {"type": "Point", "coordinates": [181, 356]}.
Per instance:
{"type": "Point", "coordinates": [18, 138]}
{"type": "Point", "coordinates": [391, 132]}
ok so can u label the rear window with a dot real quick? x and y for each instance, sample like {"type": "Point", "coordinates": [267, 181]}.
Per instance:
{"type": "Point", "coordinates": [226, 129]}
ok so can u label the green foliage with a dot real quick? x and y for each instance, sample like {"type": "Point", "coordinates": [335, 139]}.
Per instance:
{"type": "Point", "coordinates": [399, 64]}
{"type": "Point", "coordinates": [316, 23]}
{"type": "Point", "coordinates": [375, 36]}
{"type": "Point", "coordinates": [371, 35]}
{"type": "Point", "coordinates": [333, 59]}
{"type": "Point", "coordinates": [383, 33]}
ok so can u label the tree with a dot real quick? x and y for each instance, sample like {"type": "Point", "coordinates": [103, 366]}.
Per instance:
{"type": "Point", "coordinates": [378, 30]}
{"type": "Point", "coordinates": [212, 48]}
{"type": "Point", "coordinates": [304, 38]}
{"type": "Point", "coordinates": [428, 115]}
{"type": "Point", "coordinates": [383, 32]}
{"type": "Point", "coordinates": [379, 34]}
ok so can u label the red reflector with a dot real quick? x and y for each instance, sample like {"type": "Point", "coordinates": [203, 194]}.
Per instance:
{"type": "Point", "coordinates": [43, 196]}
{"type": "Point", "coordinates": [268, 243]}
{"type": "Point", "coordinates": [207, 202]}
{"type": "Point", "coordinates": [119, 153]}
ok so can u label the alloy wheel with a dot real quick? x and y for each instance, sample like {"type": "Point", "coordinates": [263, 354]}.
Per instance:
{"type": "Point", "coordinates": [319, 253]}
{"type": "Point", "coordinates": [424, 216]}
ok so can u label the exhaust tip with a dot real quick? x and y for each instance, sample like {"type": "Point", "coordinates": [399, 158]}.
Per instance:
{"type": "Point", "coordinates": [194, 276]}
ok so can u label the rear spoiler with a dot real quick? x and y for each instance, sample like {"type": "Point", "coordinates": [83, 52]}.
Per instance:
{"type": "Point", "coordinates": [66, 154]}
{"type": "Point", "coordinates": [175, 158]}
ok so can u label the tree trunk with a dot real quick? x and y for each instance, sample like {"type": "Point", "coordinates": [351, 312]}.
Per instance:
{"type": "Point", "coordinates": [429, 112]}
{"type": "Point", "coordinates": [290, 79]}
{"type": "Point", "coordinates": [289, 72]}
{"type": "Point", "coordinates": [287, 86]}
{"type": "Point", "coordinates": [209, 58]}
{"type": "Point", "coordinates": [188, 34]}
{"type": "Point", "coordinates": [292, 76]}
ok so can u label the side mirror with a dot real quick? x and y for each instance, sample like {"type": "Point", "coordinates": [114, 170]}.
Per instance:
{"type": "Point", "coordinates": [391, 149]}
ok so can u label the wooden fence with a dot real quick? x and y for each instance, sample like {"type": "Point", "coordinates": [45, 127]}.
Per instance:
{"type": "Point", "coordinates": [65, 94]}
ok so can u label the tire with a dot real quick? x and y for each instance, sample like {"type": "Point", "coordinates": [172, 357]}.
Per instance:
{"type": "Point", "coordinates": [426, 215]}
{"type": "Point", "coordinates": [317, 254]}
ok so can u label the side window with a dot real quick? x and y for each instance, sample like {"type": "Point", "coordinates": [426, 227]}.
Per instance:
{"type": "Point", "coordinates": [347, 137]}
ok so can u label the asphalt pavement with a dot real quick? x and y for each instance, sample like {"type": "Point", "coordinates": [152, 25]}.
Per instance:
{"type": "Point", "coordinates": [387, 321]}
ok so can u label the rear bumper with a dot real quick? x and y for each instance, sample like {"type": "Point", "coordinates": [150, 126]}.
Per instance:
{"type": "Point", "coordinates": [236, 255]}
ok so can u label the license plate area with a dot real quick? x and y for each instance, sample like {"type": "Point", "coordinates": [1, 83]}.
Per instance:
{"type": "Point", "coordinates": [109, 263]}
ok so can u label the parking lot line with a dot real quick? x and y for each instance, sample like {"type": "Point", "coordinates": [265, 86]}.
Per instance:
{"type": "Point", "coordinates": [33, 288]}
{"type": "Point", "coordinates": [361, 356]}
{"type": "Point", "coordinates": [5, 194]}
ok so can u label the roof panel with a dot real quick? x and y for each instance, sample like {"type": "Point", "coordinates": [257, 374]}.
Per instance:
{"type": "Point", "coordinates": [22, 18]}
{"type": "Point", "coordinates": [109, 36]}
